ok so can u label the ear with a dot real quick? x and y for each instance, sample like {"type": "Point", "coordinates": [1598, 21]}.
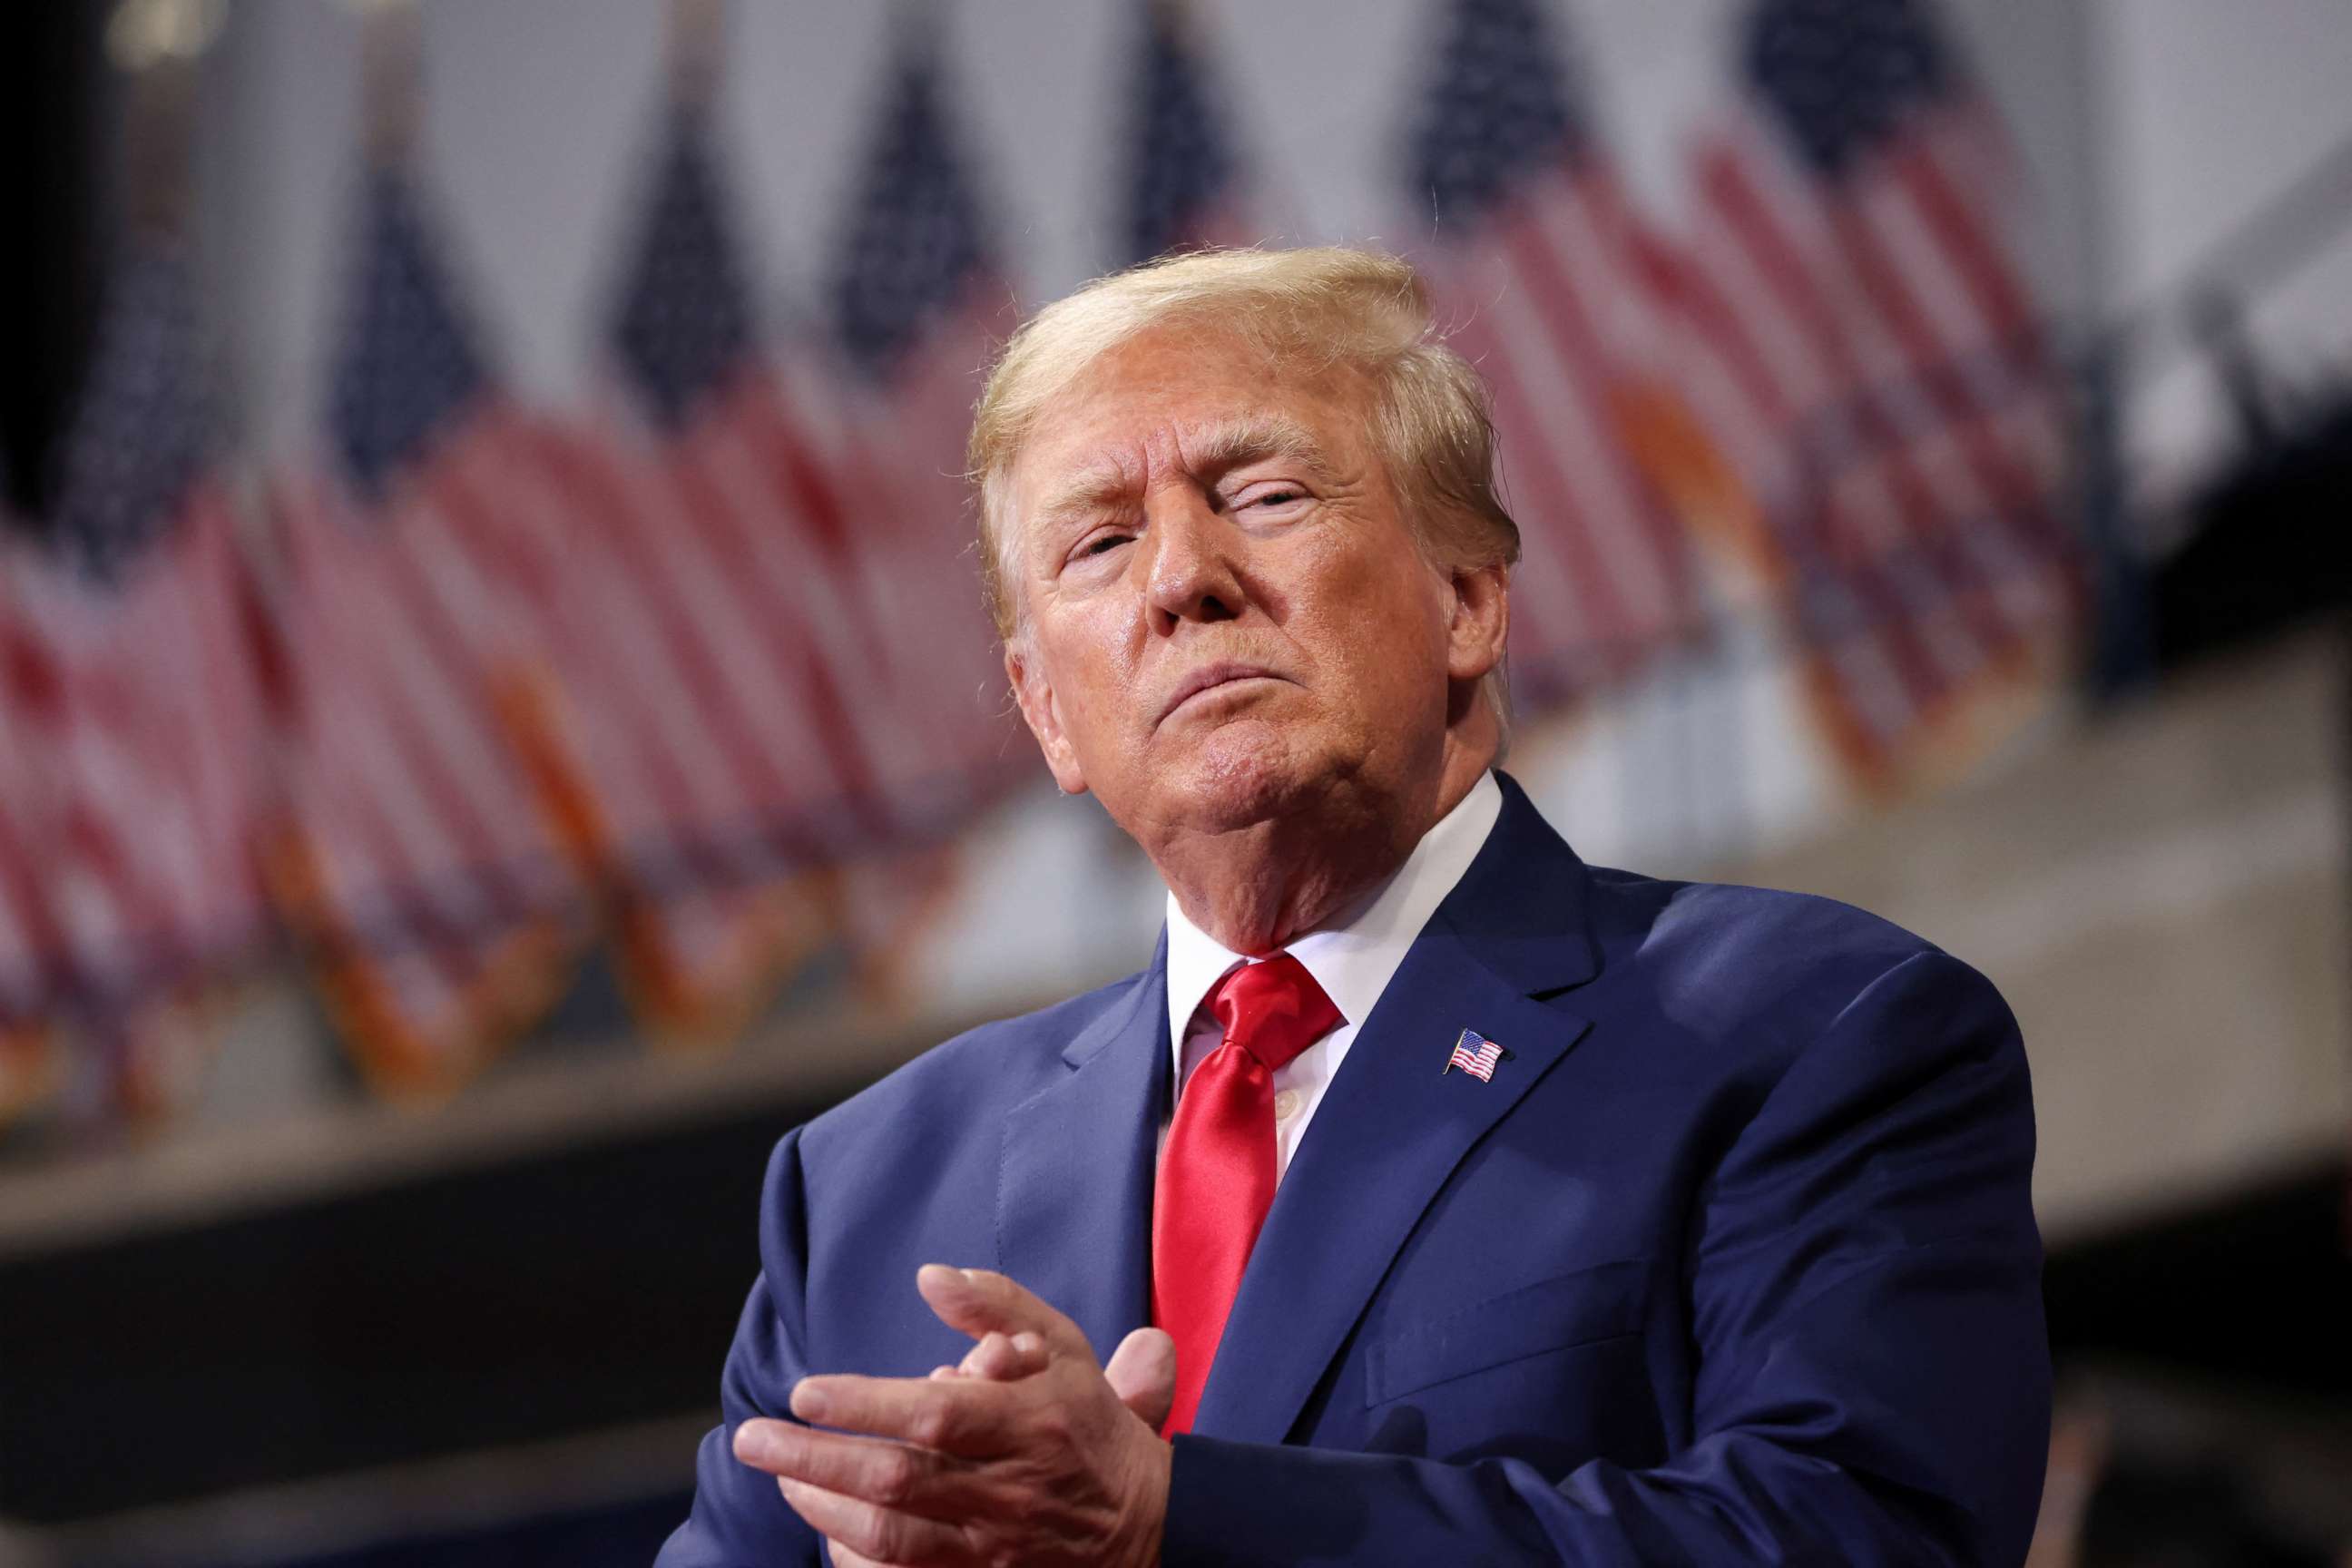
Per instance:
{"type": "Point", "coordinates": [1041, 712]}
{"type": "Point", "coordinates": [1481, 624]}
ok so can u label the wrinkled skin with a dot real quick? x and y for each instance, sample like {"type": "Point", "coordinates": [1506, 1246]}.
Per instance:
{"type": "Point", "coordinates": [1188, 511]}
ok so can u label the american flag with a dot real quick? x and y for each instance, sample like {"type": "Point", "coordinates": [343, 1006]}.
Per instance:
{"type": "Point", "coordinates": [1183, 178]}
{"type": "Point", "coordinates": [1865, 358]}
{"type": "Point", "coordinates": [1475, 1055]}
{"type": "Point", "coordinates": [1542, 263]}
{"type": "Point", "coordinates": [918, 307]}
{"type": "Point", "coordinates": [420, 560]}
{"type": "Point", "coordinates": [713, 649]}
{"type": "Point", "coordinates": [32, 949]}
{"type": "Point", "coordinates": [29, 940]}
{"type": "Point", "coordinates": [26, 938]}
{"type": "Point", "coordinates": [132, 721]}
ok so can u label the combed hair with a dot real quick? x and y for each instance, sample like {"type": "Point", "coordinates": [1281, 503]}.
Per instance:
{"type": "Point", "coordinates": [1313, 309]}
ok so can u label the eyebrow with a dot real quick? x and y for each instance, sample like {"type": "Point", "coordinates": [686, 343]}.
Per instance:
{"type": "Point", "coordinates": [1214, 450]}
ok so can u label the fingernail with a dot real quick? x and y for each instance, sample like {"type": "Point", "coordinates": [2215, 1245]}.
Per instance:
{"type": "Point", "coordinates": [808, 1401]}
{"type": "Point", "coordinates": [1027, 1343]}
{"type": "Point", "coordinates": [972, 1276]}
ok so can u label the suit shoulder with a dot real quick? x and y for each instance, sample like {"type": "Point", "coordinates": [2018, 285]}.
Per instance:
{"type": "Point", "coordinates": [1730, 954]}
{"type": "Point", "coordinates": [996, 1065]}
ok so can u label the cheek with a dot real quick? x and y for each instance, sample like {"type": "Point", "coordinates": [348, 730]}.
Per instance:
{"type": "Point", "coordinates": [1097, 687]}
{"type": "Point", "coordinates": [1393, 623]}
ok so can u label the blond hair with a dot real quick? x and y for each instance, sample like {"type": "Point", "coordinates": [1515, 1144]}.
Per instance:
{"type": "Point", "coordinates": [1317, 309]}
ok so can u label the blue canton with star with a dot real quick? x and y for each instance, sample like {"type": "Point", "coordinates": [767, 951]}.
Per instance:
{"type": "Point", "coordinates": [1183, 165]}
{"type": "Point", "coordinates": [685, 322]}
{"type": "Point", "coordinates": [406, 370]}
{"type": "Point", "coordinates": [915, 241]}
{"type": "Point", "coordinates": [1844, 76]}
{"type": "Point", "coordinates": [1499, 111]}
{"type": "Point", "coordinates": [138, 436]}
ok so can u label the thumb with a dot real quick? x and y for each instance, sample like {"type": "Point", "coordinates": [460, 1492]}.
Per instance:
{"type": "Point", "coordinates": [1142, 1373]}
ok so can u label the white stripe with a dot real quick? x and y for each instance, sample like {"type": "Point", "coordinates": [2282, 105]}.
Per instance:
{"type": "Point", "coordinates": [633, 701]}
{"type": "Point", "coordinates": [1565, 441]}
{"type": "Point", "coordinates": [1625, 531]}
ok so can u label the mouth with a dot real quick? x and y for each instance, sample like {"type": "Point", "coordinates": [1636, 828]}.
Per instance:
{"type": "Point", "coordinates": [1207, 679]}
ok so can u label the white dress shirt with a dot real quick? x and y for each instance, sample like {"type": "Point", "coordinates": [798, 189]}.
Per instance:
{"type": "Point", "coordinates": [1352, 962]}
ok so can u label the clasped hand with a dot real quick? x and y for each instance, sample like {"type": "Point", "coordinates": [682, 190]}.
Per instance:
{"type": "Point", "coordinates": [1031, 1452]}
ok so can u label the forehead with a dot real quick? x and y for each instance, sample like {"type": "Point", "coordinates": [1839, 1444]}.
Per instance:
{"type": "Point", "coordinates": [1181, 400]}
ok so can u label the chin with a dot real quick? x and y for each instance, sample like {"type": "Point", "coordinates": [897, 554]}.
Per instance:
{"type": "Point", "coordinates": [1245, 773]}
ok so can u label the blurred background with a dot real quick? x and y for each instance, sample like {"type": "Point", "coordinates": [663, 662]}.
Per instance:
{"type": "Point", "coordinates": [497, 723]}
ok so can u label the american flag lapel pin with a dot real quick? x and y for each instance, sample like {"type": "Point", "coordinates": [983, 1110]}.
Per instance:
{"type": "Point", "coordinates": [1475, 1055]}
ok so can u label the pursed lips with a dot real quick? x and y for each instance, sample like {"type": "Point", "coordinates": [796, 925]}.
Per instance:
{"type": "Point", "coordinates": [1209, 677]}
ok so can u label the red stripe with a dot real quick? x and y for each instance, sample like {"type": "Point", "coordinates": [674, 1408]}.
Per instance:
{"type": "Point", "coordinates": [19, 882]}
{"type": "Point", "coordinates": [690, 662]}
{"type": "Point", "coordinates": [793, 652]}
{"type": "Point", "coordinates": [48, 959]}
{"type": "Point", "coordinates": [1688, 290]}
{"type": "Point", "coordinates": [808, 501]}
{"type": "Point", "coordinates": [1584, 360]}
{"type": "Point", "coordinates": [606, 685]}
{"type": "Point", "coordinates": [234, 681]}
{"type": "Point", "coordinates": [357, 816]}
{"type": "Point", "coordinates": [411, 612]}
{"type": "Point", "coordinates": [1601, 619]}
{"type": "Point", "coordinates": [465, 654]}
{"type": "Point", "coordinates": [1881, 280]}
{"type": "Point", "coordinates": [1787, 278]}
{"type": "Point", "coordinates": [1557, 505]}
{"type": "Point", "coordinates": [148, 739]}
{"type": "Point", "coordinates": [1998, 296]}
{"type": "Point", "coordinates": [1786, 275]}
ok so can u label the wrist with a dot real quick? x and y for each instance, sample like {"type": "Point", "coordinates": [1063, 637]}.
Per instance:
{"type": "Point", "coordinates": [1148, 1525]}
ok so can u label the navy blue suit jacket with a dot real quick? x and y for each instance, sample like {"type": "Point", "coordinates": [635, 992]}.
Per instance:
{"type": "Point", "coordinates": [1732, 1262]}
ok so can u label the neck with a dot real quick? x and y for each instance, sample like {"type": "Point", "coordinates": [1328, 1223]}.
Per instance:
{"type": "Point", "coordinates": [1257, 888]}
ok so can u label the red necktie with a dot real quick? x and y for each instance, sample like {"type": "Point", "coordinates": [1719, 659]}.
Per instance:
{"type": "Point", "coordinates": [1216, 1175]}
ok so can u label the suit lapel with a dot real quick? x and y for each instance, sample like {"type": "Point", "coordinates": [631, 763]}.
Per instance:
{"type": "Point", "coordinates": [1073, 1190]}
{"type": "Point", "coordinates": [1393, 1125]}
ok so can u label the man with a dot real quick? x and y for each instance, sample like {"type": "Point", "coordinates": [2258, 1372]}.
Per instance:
{"type": "Point", "coordinates": [1494, 1208]}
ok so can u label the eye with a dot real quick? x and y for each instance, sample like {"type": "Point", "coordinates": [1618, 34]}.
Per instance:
{"type": "Point", "coordinates": [1101, 544]}
{"type": "Point", "coordinates": [1270, 496]}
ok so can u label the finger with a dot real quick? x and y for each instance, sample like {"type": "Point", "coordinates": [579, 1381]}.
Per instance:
{"type": "Point", "coordinates": [976, 1300]}
{"type": "Point", "coordinates": [869, 1530]}
{"type": "Point", "coordinates": [1142, 1373]}
{"type": "Point", "coordinates": [843, 1557]}
{"type": "Point", "coordinates": [985, 1356]}
{"type": "Point", "coordinates": [965, 1415]}
{"type": "Point", "coordinates": [1004, 1358]}
{"type": "Point", "coordinates": [911, 1480]}
{"type": "Point", "coordinates": [947, 1372]}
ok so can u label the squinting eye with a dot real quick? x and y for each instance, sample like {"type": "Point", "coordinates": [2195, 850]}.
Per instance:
{"type": "Point", "coordinates": [1279, 495]}
{"type": "Point", "coordinates": [1108, 541]}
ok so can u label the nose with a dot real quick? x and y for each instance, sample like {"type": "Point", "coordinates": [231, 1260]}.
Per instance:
{"type": "Point", "coordinates": [1189, 569]}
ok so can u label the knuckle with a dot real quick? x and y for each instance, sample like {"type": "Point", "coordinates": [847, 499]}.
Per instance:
{"type": "Point", "coordinates": [896, 1476]}
{"type": "Point", "coordinates": [934, 1426]}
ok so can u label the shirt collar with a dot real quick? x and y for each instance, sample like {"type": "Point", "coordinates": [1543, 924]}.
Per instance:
{"type": "Point", "coordinates": [1352, 962]}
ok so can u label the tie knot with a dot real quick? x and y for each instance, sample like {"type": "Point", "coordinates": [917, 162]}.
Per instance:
{"type": "Point", "coordinates": [1272, 1010]}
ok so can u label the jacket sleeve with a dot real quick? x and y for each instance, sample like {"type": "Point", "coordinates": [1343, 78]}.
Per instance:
{"type": "Point", "coordinates": [740, 1520]}
{"type": "Point", "coordinates": [1873, 1380]}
